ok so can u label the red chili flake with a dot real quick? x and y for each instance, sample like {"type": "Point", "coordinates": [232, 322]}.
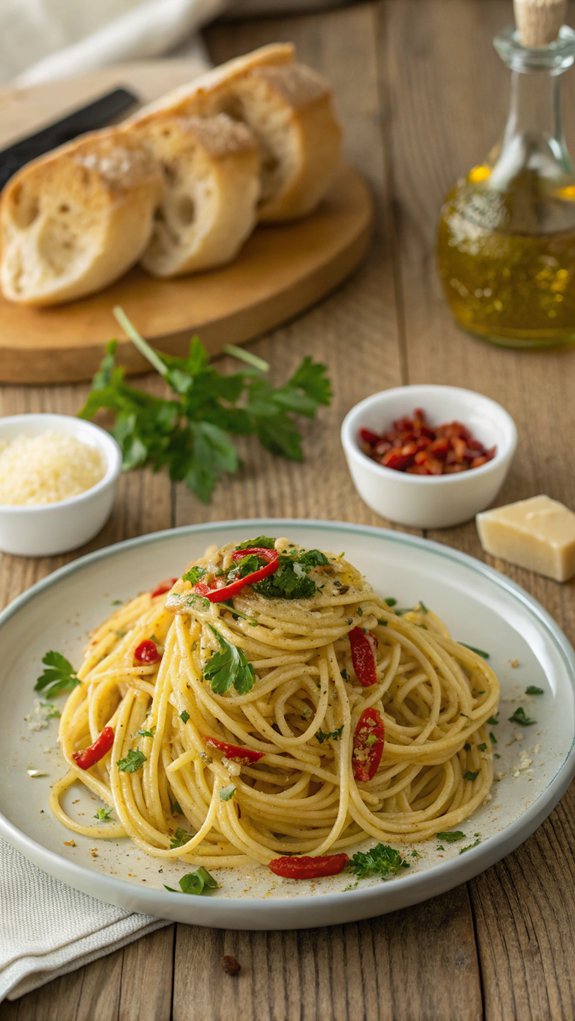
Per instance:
{"type": "Point", "coordinates": [412, 445]}
{"type": "Point", "coordinates": [147, 652]}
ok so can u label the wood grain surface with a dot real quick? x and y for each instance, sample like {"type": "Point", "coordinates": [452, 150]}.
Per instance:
{"type": "Point", "coordinates": [422, 96]}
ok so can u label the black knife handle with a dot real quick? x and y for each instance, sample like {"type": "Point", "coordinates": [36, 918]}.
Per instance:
{"type": "Point", "coordinates": [95, 115]}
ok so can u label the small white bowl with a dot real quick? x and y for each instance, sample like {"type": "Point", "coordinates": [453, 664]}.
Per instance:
{"type": "Point", "coordinates": [429, 501]}
{"type": "Point", "coordinates": [46, 529]}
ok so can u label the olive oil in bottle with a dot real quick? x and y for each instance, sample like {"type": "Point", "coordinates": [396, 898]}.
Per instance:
{"type": "Point", "coordinates": [506, 236]}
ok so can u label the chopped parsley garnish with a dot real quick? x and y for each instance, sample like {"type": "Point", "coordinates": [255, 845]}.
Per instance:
{"type": "Point", "coordinates": [194, 575]}
{"type": "Point", "coordinates": [229, 668]}
{"type": "Point", "coordinates": [197, 882]}
{"type": "Point", "coordinates": [381, 860]}
{"type": "Point", "coordinates": [482, 747]}
{"type": "Point", "coordinates": [471, 774]}
{"type": "Point", "coordinates": [492, 737]}
{"type": "Point", "coordinates": [103, 814]}
{"type": "Point", "coordinates": [521, 717]}
{"type": "Point", "coordinates": [469, 846]}
{"type": "Point", "coordinates": [381, 622]}
{"type": "Point", "coordinates": [50, 711]}
{"type": "Point", "coordinates": [329, 735]}
{"type": "Point", "coordinates": [184, 716]}
{"type": "Point", "coordinates": [467, 747]}
{"type": "Point", "coordinates": [390, 601]}
{"type": "Point", "coordinates": [494, 720]}
{"type": "Point", "coordinates": [58, 676]}
{"type": "Point", "coordinates": [290, 581]}
{"type": "Point", "coordinates": [180, 837]}
{"type": "Point", "coordinates": [533, 690]}
{"type": "Point", "coordinates": [451, 836]}
{"type": "Point", "coordinates": [175, 806]}
{"type": "Point", "coordinates": [262, 542]}
{"type": "Point", "coordinates": [478, 652]}
{"type": "Point", "coordinates": [133, 762]}
{"type": "Point", "coordinates": [227, 792]}
{"type": "Point", "coordinates": [344, 674]}
{"type": "Point", "coordinates": [147, 733]}
{"type": "Point", "coordinates": [421, 606]}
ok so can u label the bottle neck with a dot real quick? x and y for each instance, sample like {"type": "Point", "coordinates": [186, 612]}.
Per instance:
{"type": "Point", "coordinates": [534, 129]}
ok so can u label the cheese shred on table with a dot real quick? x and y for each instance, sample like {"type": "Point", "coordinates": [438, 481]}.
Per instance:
{"type": "Point", "coordinates": [47, 468]}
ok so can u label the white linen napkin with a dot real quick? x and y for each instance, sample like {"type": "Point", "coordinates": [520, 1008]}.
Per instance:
{"type": "Point", "coordinates": [48, 929]}
{"type": "Point", "coordinates": [45, 39]}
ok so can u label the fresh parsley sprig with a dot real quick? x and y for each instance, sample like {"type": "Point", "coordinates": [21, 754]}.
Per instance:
{"type": "Point", "coordinates": [191, 432]}
{"type": "Point", "coordinates": [197, 882]}
{"type": "Point", "coordinates": [229, 667]}
{"type": "Point", "coordinates": [58, 676]}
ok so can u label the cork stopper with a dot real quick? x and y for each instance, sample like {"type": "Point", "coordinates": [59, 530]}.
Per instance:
{"type": "Point", "coordinates": [538, 21]}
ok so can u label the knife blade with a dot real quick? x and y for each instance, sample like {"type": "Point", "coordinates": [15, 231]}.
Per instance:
{"type": "Point", "coordinates": [97, 114]}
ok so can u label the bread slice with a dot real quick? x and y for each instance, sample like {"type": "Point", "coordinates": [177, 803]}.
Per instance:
{"type": "Point", "coordinates": [75, 220]}
{"type": "Point", "coordinates": [211, 187]}
{"type": "Point", "coordinates": [289, 109]}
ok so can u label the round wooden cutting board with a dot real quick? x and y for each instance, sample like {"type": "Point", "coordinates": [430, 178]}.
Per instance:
{"type": "Point", "coordinates": [280, 271]}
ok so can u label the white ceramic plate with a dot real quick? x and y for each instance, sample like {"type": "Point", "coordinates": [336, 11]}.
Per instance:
{"type": "Point", "coordinates": [481, 607]}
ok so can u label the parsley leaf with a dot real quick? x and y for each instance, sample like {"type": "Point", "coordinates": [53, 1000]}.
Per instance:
{"type": "Point", "coordinates": [180, 837]}
{"type": "Point", "coordinates": [520, 716]}
{"type": "Point", "coordinates": [194, 574]}
{"type": "Point", "coordinates": [381, 860]}
{"type": "Point", "coordinates": [133, 762]}
{"type": "Point", "coordinates": [533, 690]}
{"type": "Point", "coordinates": [103, 814]}
{"type": "Point", "coordinates": [197, 882]}
{"type": "Point", "coordinates": [58, 676]}
{"type": "Point", "coordinates": [184, 716]}
{"type": "Point", "coordinates": [291, 580]}
{"type": "Point", "coordinates": [229, 667]}
{"type": "Point", "coordinates": [191, 431]}
{"type": "Point", "coordinates": [450, 836]}
{"type": "Point", "coordinates": [478, 652]}
{"type": "Point", "coordinates": [262, 542]}
{"type": "Point", "coordinates": [330, 735]}
{"type": "Point", "coordinates": [471, 774]}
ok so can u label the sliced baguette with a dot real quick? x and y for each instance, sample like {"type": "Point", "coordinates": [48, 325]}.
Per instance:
{"type": "Point", "coordinates": [289, 109]}
{"type": "Point", "coordinates": [211, 187]}
{"type": "Point", "coordinates": [74, 221]}
{"type": "Point", "coordinates": [197, 97]}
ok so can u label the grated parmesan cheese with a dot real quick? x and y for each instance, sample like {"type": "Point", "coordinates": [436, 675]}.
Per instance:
{"type": "Point", "coordinates": [47, 468]}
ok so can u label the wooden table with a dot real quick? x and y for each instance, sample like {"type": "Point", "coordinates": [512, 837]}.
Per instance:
{"type": "Point", "coordinates": [422, 96]}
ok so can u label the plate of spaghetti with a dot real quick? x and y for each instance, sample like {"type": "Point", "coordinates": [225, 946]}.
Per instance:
{"type": "Point", "coordinates": [296, 723]}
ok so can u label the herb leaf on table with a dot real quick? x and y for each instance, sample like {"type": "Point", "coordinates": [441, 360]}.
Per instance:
{"type": "Point", "coordinates": [191, 432]}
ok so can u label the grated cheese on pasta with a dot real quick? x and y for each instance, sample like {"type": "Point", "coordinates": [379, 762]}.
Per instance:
{"type": "Point", "coordinates": [47, 468]}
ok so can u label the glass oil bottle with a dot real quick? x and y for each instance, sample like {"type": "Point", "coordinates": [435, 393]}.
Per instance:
{"type": "Point", "coordinates": [506, 237]}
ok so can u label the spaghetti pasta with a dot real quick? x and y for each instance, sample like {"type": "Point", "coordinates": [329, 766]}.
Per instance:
{"type": "Point", "coordinates": [275, 722]}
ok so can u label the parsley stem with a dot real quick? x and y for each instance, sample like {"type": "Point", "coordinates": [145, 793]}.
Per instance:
{"type": "Point", "coordinates": [138, 341]}
{"type": "Point", "coordinates": [247, 357]}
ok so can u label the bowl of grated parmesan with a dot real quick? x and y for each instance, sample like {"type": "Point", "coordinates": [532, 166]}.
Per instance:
{"type": "Point", "coordinates": [58, 478]}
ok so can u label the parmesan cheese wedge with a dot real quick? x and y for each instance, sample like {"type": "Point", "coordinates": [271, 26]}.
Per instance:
{"type": "Point", "coordinates": [538, 534]}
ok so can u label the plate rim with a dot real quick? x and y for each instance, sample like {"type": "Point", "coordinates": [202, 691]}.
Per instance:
{"type": "Point", "coordinates": [304, 910]}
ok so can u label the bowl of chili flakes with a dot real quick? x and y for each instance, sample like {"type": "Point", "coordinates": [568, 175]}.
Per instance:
{"type": "Point", "coordinates": [428, 456]}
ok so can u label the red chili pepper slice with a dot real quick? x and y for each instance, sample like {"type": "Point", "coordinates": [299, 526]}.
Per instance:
{"type": "Point", "coordinates": [147, 652]}
{"type": "Point", "coordinates": [363, 657]}
{"type": "Point", "coordinates": [219, 595]}
{"type": "Point", "coordinates": [368, 741]}
{"type": "Point", "coordinates": [96, 751]}
{"type": "Point", "coordinates": [235, 751]}
{"type": "Point", "coordinates": [307, 867]}
{"type": "Point", "coordinates": [163, 587]}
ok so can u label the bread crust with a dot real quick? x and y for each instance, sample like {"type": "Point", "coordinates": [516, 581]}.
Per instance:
{"type": "Point", "coordinates": [77, 219]}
